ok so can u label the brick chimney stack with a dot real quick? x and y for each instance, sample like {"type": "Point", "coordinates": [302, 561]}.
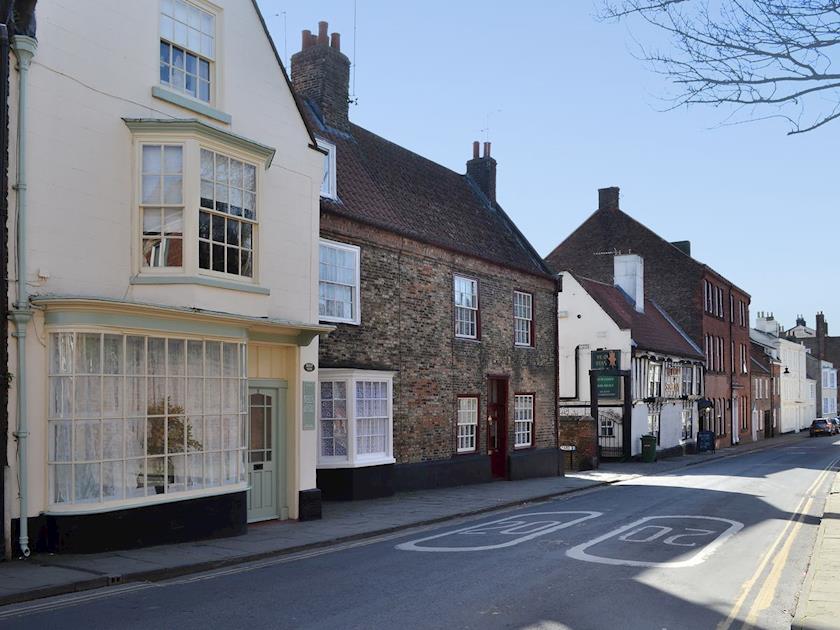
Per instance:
{"type": "Point", "coordinates": [482, 170]}
{"type": "Point", "coordinates": [822, 333]}
{"type": "Point", "coordinates": [321, 74]}
{"type": "Point", "coordinates": [608, 198]}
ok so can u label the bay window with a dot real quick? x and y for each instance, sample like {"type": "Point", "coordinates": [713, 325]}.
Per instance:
{"type": "Point", "coordinates": [133, 417]}
{"type": "Point", "coordinates": [355, 418]}
{"type": "Point", "coordinates": [467, 424]}
{"type": "Point", "coordinates": [523, 419]}
{"type": "Point", "coordinates": [197, 205]}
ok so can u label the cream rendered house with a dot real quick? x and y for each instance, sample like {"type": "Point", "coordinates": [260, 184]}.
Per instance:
{"type": "Point", "coordinates": [168, 246]}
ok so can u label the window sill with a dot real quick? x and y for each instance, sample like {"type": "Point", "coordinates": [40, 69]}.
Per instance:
{"type": "Point", "coordinates": [216, 283]}
{"type": "Point", "coordinates": [357, 464]}
{"type": "Point", "coordinates": [125, 504]}
{"type": "Point", "coordinates": [471, 339]}
{"type": "Point", "coordinates": [191, 104]}
{"type": "Point", "coordinates": [335, 320]}
{"type": "Point", "coordinates": [523, 346]}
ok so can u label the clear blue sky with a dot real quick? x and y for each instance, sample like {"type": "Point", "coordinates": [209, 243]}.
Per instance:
{"type": "Point", "coordinates": [571, 110]}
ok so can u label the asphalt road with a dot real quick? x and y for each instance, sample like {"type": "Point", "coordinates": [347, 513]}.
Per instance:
{"type": "Point", "coordinates": [721, 545]}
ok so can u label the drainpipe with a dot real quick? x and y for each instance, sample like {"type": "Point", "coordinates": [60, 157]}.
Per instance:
{"type": "Point", "coordinates": [21, 314]}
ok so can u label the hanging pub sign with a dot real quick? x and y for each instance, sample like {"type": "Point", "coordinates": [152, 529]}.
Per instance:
{"type": "Point", "coordinates": [608, 386]}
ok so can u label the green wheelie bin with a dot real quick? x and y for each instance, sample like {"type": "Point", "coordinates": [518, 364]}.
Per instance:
{"type": "Point", "coordinates": [648, 448]}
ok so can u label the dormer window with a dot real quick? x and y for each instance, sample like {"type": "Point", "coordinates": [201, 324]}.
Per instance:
{"type": "Point", "coordinates": [187, 48]}
{"type": "Point", "coordinates": [328, 188]}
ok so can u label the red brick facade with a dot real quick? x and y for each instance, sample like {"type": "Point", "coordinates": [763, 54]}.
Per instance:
{"type": "Point", "coordinates": [677, 282]}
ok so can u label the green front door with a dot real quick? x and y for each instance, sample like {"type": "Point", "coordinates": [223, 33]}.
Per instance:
{"type": "Point", "coordinates": [266, 463]}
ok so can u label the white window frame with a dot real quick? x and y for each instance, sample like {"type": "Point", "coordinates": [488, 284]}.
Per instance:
{"type": "Point", "coordinates": [469, 309]}
{"type": "Point", "coordinates": [123, 414]}
{"type": "Point", "coordinates": [689, 415]}
{"type": "Point", "coordinates": [353, 459]}
{"type": "Point", "coordinates": [213, 59]}
{"type": "Point", "coordinates": [330, 159]}
{"type": "Point", "coordinates": [356, 301]}
{"type": "Point", "coordinates": [526, 306]}
{"type": "Point", "coordinates": [192, 143]}
{"type": "Point", "coordinates": [467, 425]}
{"type": "Point", "coordinates": [523, 407]}
{"type": "Point", "coordinates": [654, 380]}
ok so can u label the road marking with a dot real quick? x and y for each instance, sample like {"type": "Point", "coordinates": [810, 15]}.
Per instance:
{"type": "Point", "coordinates": [510, 526]}
{"type": "Point", "coordinates": [796, 518]}
{"type": "Point", "coordinates": [625, 533]}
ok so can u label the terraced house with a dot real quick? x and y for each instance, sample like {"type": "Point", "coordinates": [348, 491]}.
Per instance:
{"type": "Point", "coordinates": [164, 278]}
{"type": "Point", "coordinates": [442, 367]}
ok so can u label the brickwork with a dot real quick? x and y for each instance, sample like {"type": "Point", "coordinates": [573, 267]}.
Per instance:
{"type": "Point", "coordinates": [674, 280]}
{"type": "Point", "coordinates": [582, 433]}
{"type": "Point", "coordinates": [321, 73]}
{"type": "Point", "coordinates": [407, 326]}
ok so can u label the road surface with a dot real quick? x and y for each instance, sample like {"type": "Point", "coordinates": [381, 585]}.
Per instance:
{"type": "Point", "coordinates": [721, 545]}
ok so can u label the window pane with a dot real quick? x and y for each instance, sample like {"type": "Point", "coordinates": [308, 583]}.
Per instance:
{"type": "Point", "coordinates": [152, 159]}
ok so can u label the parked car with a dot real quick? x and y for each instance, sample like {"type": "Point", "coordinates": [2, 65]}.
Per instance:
{"type": "Point", "coordinates": [820, 426]}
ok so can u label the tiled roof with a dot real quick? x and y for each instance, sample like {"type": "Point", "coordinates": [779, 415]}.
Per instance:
{"type": "Point", "coordinates": [386, 185]}
{"type": "Point", "coordinates": [652, 330]}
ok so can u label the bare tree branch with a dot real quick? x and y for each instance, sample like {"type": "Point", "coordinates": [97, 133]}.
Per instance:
{"type": "Point", "coordinates": [761, 54]}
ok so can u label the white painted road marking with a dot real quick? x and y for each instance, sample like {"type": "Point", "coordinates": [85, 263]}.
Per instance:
{"type": "Point", "coordinates": [523, 526]}
{"type": "Point", "coordinates": [636, 532]}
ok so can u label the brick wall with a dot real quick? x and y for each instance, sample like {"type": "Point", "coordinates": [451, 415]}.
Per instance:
{"type": "Point", "coordinates": [582, 433]}
{"type": "Point", "coordinates": [407, 326]}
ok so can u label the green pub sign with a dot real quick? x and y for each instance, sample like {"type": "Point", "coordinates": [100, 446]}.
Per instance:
{"type": "Point", "coordinates": [607, 386]}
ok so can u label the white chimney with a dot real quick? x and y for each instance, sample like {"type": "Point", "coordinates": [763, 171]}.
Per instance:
{"type": "Point", "coordinates": [629, 274]}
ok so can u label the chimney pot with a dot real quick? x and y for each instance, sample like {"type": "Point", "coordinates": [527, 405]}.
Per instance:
{"type": "Point", "coordinates": [321, 75]}
{"type": "Point", "coordinates": [608, 198]}
{"type": "Point", "coordinates": [487, 149]}
{"type": "Point", "coordinates": [475, 150]}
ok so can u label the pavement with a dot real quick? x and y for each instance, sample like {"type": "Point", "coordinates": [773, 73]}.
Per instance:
{"type": "Point", "coordinates": [819, 603]}
{"type": "Point", "coordinates": [46, 575]}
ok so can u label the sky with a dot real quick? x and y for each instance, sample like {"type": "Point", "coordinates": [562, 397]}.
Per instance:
{"type": "Point", "coordinates": [569, 108]}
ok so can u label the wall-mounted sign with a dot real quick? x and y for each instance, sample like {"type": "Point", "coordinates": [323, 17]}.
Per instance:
{"type": "Point", "coordinates": [607, 386]}
{"type": "Point", "coordinates": [309, 367]}
{"type": "Point", "coordinates": [568, 447]}
{"type": "Point", "coordinates": [308, 406]}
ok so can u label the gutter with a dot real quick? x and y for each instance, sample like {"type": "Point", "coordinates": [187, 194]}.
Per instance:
{"type": "Point", "coordinates": [24, 48]}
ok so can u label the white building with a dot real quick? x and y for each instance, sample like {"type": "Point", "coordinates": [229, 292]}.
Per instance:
{"type": "Point", "coordinates": [798, 392]}
{"type": "Point", "coordinates": [828, 391]}
{"type": "Point", "coordinates": [601, 325]}
{"type": "Point", "coordinates": [168, 245]}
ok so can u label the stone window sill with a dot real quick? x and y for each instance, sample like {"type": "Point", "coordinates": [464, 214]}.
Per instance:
{"type": "Point", "coordinates": [191, 104]}
{"type": "Point", "coordinates": [202, 281]}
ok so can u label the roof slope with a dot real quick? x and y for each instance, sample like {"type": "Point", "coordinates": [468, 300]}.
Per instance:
{"type": "Point", "coordinates": [652, 330]}
{"type": "Point", "coordinates": [388, 186]}
{"type": "Point", "coordinates": [611, 229]}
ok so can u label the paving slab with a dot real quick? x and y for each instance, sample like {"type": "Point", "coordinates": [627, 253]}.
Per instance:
{"type": "Point", "coordinates": [819, 604]}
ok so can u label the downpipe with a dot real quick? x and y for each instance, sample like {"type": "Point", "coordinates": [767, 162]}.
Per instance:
{"type": "Point", "coordinates": [24, 48]}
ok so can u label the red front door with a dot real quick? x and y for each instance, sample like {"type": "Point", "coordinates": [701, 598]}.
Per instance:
{"type": "Point", "coordinates": [497, 426]}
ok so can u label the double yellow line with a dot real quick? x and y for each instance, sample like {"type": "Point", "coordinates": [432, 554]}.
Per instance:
{"type": "Point", "coordinates": [779, 558]}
